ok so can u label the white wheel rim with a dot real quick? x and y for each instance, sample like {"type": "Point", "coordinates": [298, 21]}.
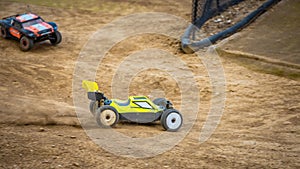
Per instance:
{"type": "Point", "coordinates": [108, 117]}
{"type": "Point", "coordinates": [173, 121]}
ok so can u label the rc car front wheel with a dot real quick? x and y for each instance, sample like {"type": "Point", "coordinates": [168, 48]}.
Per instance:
{"type": "Point", "coordinates": [171, 120]}
{"type": "Point", "coordinates": [26, 43]}
{"type": "Point", "coordinates": [3, 32]}
{"type": "Point", "coordinates": [55, 38]}
{"type": "Point", "coordinates": [107, 116]}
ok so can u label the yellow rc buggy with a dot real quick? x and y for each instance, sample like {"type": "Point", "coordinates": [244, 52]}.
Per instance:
{"type": "Point", "coordinates": [139, 109]}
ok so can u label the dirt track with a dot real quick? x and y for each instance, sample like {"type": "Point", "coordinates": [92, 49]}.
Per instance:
{"type": "Point", "coordinates": [259, 128]}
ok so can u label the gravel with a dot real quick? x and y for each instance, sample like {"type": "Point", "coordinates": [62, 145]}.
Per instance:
{"type": "Point", "coordinates": [229, 17]}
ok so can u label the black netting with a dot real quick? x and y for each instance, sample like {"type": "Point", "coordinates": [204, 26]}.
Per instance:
{"type": "Point", "coordinates": [205, 9]}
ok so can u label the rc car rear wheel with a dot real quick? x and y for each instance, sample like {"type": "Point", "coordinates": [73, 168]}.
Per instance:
{"type": "Point", "coordinates": [55, 38]}
{"type": "Point", "coordinates": [26, 43]}
{"type": "Point", "coordinates": [94, 105]}
{"type": "Point", "coordinates": [171, 120]}
{"type": "Point", "coordinates": [107, 116]}
{"type": "Point", "coordinates": [3, 32]}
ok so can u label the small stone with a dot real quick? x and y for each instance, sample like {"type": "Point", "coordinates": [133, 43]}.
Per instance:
{"type": "Point", "coordinates": [218, 20]}
{"type": "Point", "coordinates": [223, 156]}
{"type": "Point", "coordinates": [76, 164]}
{"type": "Point", "coordinates": [73, 137]}
{"type": "Point", "coordinates": [41, 129]}
{"type": "Point", "coordinates": [294, 108]}
{"type": "Point", "coordinates": [53, 146]}
{"type": "Point", "coordinates": [287, 123]}
{"type": "Point", "coordinates": [60, 135]}
{"type": "Point", "coordinates": [249, 142]}
{"type": "Point", "coordinates": [45, 161]}
{"type": "Point", "coordinates": [228, 21]}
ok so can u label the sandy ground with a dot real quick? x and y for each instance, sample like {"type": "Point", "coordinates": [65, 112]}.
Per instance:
{"type": "Point", "coordinates": [39, 128]}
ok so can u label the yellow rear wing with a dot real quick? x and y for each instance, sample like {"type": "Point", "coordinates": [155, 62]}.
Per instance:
{"type": "Point", "coordinates": [90, 86]}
